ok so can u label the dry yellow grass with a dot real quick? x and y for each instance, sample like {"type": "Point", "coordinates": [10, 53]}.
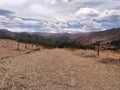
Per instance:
{"type": "Point", "coordinates": [8, 48]}
{"type": "Point", "coordinates": [58, 69]}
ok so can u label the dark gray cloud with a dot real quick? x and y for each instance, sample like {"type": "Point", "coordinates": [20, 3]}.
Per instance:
{"type": "Point", "coordinates": [92, 4]}
{"type": "Point", "coordinates": [5, 12]}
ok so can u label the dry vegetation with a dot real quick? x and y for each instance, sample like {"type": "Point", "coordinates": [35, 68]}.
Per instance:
{"type": "Point", "coordinates": [57, 69]}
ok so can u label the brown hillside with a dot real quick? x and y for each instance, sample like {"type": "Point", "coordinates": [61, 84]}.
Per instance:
{"type": "Point", "coordinates": [104, 36]}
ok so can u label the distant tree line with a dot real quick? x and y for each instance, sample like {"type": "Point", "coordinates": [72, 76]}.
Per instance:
{"type": "Point", "coordinates": [54, 44]}
{"type": "Point", "coordinates": [49, 43]}
{"type": "Point", "coordinates": [116, 43]}
{"type": "Point", "coordinates": [6, 37]}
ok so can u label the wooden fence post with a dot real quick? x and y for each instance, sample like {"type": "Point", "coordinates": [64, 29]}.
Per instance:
{"type": "Point", "coordinates": [98, 48]}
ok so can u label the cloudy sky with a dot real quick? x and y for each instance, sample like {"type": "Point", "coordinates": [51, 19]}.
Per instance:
{"type": "Point", "coordinates": [54, 16]}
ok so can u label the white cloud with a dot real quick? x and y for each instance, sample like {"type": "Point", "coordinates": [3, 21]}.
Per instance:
{"type": "Point", "coordinates": [12, 2]}
{"type": "Point", "coordinates": [74, 30]}
{"type": "Point", "coordinates": [91, 25]}
{"type": "Point", "coordinates": [65, 0]}
{"type": "Point", "coordinates": [17, 20]}
{"type": "Point", "coordinates": [18, 29]}
{"type": "Point", "coordinates": [54, 15]}
{"type": "Point", "coordinates": [50, 1]}
{"type": "Point", "coordinates": [84, 13]}
{"type": "Point", "coordinates": [4, 20]}
{"type": "Point", "coordinates": [31, 22]}
{"type": "Point", "coordinates": [110, 15]}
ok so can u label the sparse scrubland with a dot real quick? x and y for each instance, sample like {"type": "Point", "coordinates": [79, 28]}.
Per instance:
{"type": "Point", "coordinates": [39, 68]}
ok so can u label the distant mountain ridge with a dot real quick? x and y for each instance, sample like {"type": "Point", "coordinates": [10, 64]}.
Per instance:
{"type": "Point", "coordinates": [5, 32]}
{"type": "Point", "coordinates": [91, 37]}
{"type": "Point", "coordinates": [41, 35]}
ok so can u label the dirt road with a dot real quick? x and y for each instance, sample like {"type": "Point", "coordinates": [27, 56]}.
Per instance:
{"type": "Point", "coordinates": [60, 69]}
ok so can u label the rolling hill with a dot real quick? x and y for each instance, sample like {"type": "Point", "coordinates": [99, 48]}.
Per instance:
{"type": "Point", "coordinates": [103, 36]}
